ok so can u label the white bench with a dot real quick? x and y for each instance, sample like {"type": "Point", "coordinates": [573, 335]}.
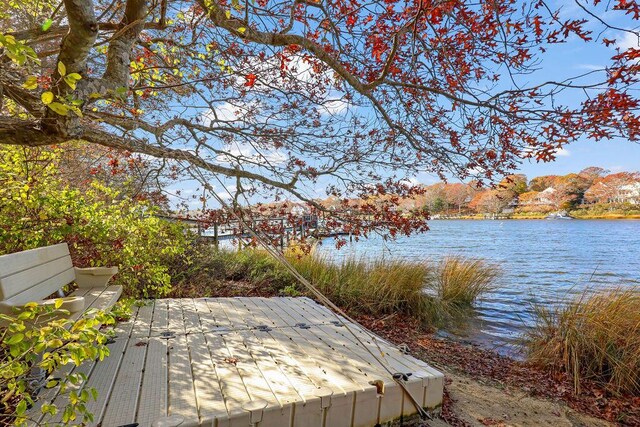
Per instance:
{"type": "Point", "coordinates": [34, 275]}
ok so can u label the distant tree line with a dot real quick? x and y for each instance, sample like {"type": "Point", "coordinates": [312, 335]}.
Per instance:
{"type": "Point", "coordinates": [589, 188]}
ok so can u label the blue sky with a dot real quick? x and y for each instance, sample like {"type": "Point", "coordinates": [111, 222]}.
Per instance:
{"type": "Point", "coordinates": [560, 62]}
{"type": "Point", "coordinates": [615, 156]}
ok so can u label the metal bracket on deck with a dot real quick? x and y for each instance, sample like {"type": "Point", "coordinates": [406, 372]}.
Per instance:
{"type": "Point", "coordinates": [302, 326]}
{"type": "Point", "coordinates": [402, 376]}
{"type": "Point", "coordinates": [263, 328]}
{"type": "Point", "coordinates": [167, 335]}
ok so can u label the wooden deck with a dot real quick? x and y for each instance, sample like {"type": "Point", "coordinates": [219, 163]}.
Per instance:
{"type": "Point", "coordinates": [249, 362]}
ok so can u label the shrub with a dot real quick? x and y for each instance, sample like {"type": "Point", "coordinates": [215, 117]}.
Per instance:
{"type": "Point", "coordinates": [596, 336]}
{"type": "Point", "coordinates": [45, 338]}
{"type": "Point", "coordinates": [102, 227]}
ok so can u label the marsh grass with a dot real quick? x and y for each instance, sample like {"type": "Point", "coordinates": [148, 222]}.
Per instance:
{"type": "Point", "coordinates": [459, 281]}
{"type": "Point", "coordinates": [426, 291]}
{"type": "Point", "coordinates": [374, 287]}
{"type": "Point", "coordinates": [595, 337]}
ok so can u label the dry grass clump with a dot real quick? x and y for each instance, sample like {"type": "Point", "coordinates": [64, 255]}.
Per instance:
{"type": "Point", "coordinates": [594, 337]}
{"type": "Point", "coordinates": [459, 281]}
{"type": "Point", "coordinates": [377, 287]}
{"type": "Point", "coordinates": [428, 292]}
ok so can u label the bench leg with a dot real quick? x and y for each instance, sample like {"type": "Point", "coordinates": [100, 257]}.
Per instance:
{"type": "Point", "coordinates": [36, 379]}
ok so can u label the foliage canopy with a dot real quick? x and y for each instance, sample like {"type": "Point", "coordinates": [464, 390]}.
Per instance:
{"type": "Point", "coordinates": [279, 95]}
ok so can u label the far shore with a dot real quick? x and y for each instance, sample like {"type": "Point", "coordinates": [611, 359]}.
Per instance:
{"type": "Point", "coordinates": [538, 217]}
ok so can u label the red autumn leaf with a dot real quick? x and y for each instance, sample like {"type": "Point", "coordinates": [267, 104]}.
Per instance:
{"type": "Point", "coordinates": [250, 80]}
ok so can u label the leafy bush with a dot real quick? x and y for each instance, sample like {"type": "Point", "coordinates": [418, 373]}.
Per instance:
{"type": "Point", "coordinates": [43, 337]}
{"type": "Point", "coordinates": [103, 228]}
{"type": "Point", "coordinates": [596, 336]}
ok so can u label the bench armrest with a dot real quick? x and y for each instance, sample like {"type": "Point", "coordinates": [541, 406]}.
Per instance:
{"type": "Point", "coordinates": [94, 277]}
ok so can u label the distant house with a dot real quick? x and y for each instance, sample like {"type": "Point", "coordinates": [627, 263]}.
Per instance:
{"type": "Point", "coordinates": [602, 192]}
{"type": "Point", "coordinates": [542, 198]}
{"type": "Point", "coordinates": [630, 193]}
{"type": "Point", "coordinates": [546, 197]}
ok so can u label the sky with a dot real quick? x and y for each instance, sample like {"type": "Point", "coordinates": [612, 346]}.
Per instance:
{"type": "Point", "coordinates": [559, 62]}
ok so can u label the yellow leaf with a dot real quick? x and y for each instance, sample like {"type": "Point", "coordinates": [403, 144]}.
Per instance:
{"type": "Point", "coordinates": [241, 30]}
{"type": "Point", "coordinates": [228, 14]}
{"type": "Point", "coordinates": [77, 111]}
{"type": "Point", "coordinates": [31, 83]}
{"type": "Point", "coordinates": [58, 303]}
{"type": "Point", "coordinates": [47, 97]}
{"type": "Point", "coordinates": [70, 82]}
{"type": "Point", "coordinates": [59, 108]}
{"type": "Point", "coordinates": [62, 70]}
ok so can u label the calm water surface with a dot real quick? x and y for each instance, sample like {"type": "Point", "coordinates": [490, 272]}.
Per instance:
{"type": "Point", "coordinates": [543, 261]}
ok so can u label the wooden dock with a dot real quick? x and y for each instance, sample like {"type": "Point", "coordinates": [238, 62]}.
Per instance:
{"type": "Point", "coordinates": [249, 362]}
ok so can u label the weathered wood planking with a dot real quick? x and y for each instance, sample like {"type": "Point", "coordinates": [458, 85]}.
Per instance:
{"type": "Point", "coordinates": [268, 362]}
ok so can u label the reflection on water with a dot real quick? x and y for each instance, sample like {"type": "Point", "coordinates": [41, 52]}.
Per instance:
{"type": "Point", "coordinates": [543, 261]}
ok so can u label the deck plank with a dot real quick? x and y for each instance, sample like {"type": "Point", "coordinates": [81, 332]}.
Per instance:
{"type": "Point", "coordinates": [153, 390]}
{"type": "Point", "coordinates": [209, 399]}
{"type": "Point", "coordinates": [236, 361]}
{"type": "Point", "coordinates": [123, 403]}
{"type": "Point", "coordinates": [103, 375]}
{"type": "Point", "coordinates": [360, 394]}
{"type": "Point", "coordinates": [182, 395]}
{"type": "Point", "coordinates": [425, 383]}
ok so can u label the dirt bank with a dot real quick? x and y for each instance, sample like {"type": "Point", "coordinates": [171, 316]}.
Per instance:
{"type": "Point", "coordinates": [484, 388]}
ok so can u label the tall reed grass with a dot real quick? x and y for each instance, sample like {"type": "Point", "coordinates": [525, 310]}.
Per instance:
{"type": "Point", "coordinates": [594, 337]}
{"type": "Point", "coordinates": [379, 287]}
{"type": "Point", "coordinates": [460, 281]}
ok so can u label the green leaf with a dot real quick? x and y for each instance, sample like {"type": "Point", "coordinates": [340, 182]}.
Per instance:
{"type": "Point", "coordinates": [62, 70]}
{"type": "Point", "coordinates": [30, 83]}
{"type": "Point", "coordinates": [59, 108]}
{"type": "Point", "coordinates": [15, 339]}
{"type": "Point", "coordinates": [70, 82]}
{"type": "Point", "coordinates": [47, 97]}
{"type": "Point", "coordinates": [21, 407]}
{"type": "Point", "coordinates": [74, 76]}
{"type": "Point", "coordinates": [47, 24]}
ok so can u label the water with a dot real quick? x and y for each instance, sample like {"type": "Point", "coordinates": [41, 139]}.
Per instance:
{"type": "Point", "coordinates": [543, 261]}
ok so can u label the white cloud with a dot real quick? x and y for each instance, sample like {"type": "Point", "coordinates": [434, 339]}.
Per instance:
{"type": "Point", "coordinates": [627, 40]}
{"type": "Point", "coordinates": [238, 152]}
{"type": "Point", "coordinates": [410, 182]}
{"type": "Point", "coordinates": [589, 67]}
{"type": "Point", "coordinates": [229, 112]}
{"type": "Point", "coordinates": [334, 106]}
{"type": "Point", "coordinates": [563, 152]}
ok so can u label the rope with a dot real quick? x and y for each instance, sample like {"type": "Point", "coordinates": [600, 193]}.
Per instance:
{"type": "Point", "coordinates": [264, 242]}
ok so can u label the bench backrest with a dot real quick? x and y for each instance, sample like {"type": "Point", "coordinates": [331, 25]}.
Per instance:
{"type": "Point", "coordinates": [35, 274]}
